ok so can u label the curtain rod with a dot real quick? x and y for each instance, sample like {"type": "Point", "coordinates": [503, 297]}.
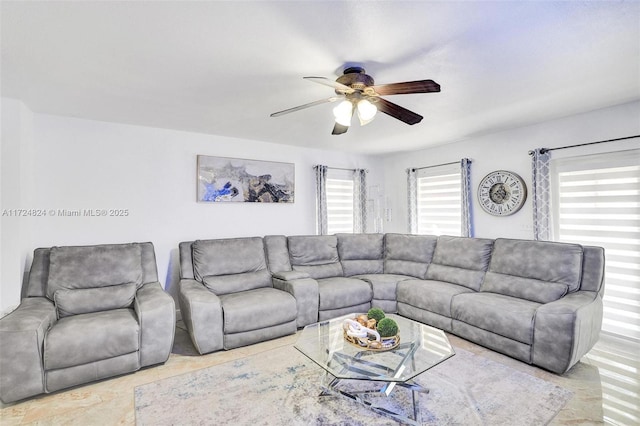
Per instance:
{"type": "Point", "coordinates": [349, 170]}
{"type": "Point", "coordinates": [543, 150]}
{"type": "Point", "coordinates": [435, 165]}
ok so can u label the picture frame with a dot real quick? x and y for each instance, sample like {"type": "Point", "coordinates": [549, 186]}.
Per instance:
{"type": "Point", "coordinates": [230, 180]}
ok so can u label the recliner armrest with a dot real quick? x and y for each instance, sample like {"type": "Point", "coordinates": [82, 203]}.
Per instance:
{"type": "Point", "coordinates": [22, 334]}
{"type": "Point", "coordinates": [566, 329]}
{"type": "Point", "coordinates": [156, 312]}
{"type": "Point", "coordinates": [307, 295]}
{"type": "Point", "coordinates": [201, 312]}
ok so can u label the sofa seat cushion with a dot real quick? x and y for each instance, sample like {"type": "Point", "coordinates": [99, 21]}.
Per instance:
{"type": "Point", "coordinates": [433, 296]}
{"type": "Point", "coordinates": [319, 272]}
{"type": "Point", "coordinates": [340, 292]}
{"type": "Point", "coordinates": [85, 338]}
{"type": "Point", "coordinates": [383, 285]}
{"type": "Point", "coordinates": [256, 309]}
{"type": "Point", "coordinates": [503, 315]}
{"type": "Point", "coordinates": [82, 267]}
{"type": "Point", "coordinates": [224, 284]}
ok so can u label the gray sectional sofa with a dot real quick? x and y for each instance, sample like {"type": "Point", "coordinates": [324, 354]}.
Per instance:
{"type": "Point", "coordinates": [90, 312]}
{"type": "Point", "coordinates": [539, 302]}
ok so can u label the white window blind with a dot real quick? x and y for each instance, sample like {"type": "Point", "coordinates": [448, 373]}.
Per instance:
{"type": "Point", "coordinates": [439, 200]}
{"type": "Point", "coordinates": [597, 202]}
{"type": "Point", "coordinates": [340, 201]}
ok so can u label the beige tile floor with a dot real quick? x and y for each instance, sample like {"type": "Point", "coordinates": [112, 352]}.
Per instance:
{"type": "Point", "coordinates": [606, 384]}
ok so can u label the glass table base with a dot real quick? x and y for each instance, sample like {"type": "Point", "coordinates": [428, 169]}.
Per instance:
{"type": "Point", "coordinates": [366, 397]}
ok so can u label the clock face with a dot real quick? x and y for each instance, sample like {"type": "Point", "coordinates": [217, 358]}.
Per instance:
{"type": "Point", "coordinates": [502, 193]}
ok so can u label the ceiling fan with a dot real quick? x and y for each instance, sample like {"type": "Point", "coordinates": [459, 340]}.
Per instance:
{"type": "Point", "coordinates": [360, 95]}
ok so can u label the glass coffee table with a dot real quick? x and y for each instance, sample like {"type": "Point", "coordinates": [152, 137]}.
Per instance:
{"type": "Point", "coordinates": [421, 348]}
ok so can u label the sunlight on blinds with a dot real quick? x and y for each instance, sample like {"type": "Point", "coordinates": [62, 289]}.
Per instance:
{"type": "Point", "coordinates": [339, 205]}
{"type": "Point", "coordinates": [438, 201]}
{"type": "Point", "coordinates": [599, 204]}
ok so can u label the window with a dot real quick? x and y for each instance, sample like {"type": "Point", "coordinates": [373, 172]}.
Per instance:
{"type": "Point", "coordinates": [439, 200]}
{"type": "Point", "coordinates": [340, 201]}
{"type": "Point", "coordinates": [597, 202]}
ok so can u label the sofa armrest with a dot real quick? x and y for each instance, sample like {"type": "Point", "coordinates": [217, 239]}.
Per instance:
{"type": "Point", "coordinates": [22, 334]}
{"type": "Point", "coordinates": [306, 293]}
{"type": "Point", "coordinates": [566, 329]}
{"type": "Point", "coordinates": [290, 275]}
{"type": "Point", "coordinates": [156, 312]}
{"type": "Point", "coordinates": [201, 312]}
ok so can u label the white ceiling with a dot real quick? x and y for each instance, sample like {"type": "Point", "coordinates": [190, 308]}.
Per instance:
{"type": "Point", "coordinates": [222, 67]}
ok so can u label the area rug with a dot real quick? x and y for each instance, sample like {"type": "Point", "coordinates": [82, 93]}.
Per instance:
{"type": "Point", "coordinates": [282, 387]}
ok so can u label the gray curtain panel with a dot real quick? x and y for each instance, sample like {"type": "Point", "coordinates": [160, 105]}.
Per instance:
{"type": "Point", "coordinates": [321, 199]}
{"type": "Point", "coordinates": [412, 198]}
{"type": "Point", "coordinates": [360, 201]}
{"type": "Point", "coordinates": [541, 194]}
{"type": "Point", "coordinates": [465, 177]}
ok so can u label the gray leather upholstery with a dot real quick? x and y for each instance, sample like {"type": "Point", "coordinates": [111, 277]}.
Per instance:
{"type": "Point", "coordinates": [539, 302]}
{"type": "Point", "coordinates": [408, 254]}
{"type": "Point", "coordinates": [91, 312]}
{"type": "Point", "coordinates": [227, 298]}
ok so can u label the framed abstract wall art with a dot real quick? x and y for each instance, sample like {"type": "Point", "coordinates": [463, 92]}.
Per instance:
{"type": "Point", "coordinates": [228, 180]}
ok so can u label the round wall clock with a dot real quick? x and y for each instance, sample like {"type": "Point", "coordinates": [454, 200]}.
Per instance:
{"type": "Point", "coordinates": [502, 193]}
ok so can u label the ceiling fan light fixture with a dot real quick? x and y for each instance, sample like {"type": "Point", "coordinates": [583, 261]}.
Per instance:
{"type": "Point", "coordinates": [343, 113]}
{"type": "Point", "coordinates": [366, 111]}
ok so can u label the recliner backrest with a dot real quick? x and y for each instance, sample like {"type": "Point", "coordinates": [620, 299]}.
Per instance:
{"type": "Point", "coordinates": [36, 285]}
{"type": "Point", "coordinates": [460, 260]}
{"type": "Point", "coordinates": [230, 265]}
{"type": "Point", "coordinates": [316, 255]}
{"type": "Point", "coordinates": [361, 253]}
{"type": "Point", "coordinates": [408, 254]}
{"type": "Point", "coordinates": [539, 271]}
{"type": "Point", "coordinates": [84, 279]}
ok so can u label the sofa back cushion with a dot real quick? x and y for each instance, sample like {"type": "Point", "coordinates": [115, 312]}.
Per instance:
{"type": "Point", "coordinates": [85, 279]}
{"type": "Point", "coordinates": [85, 300]}
{"type": "Point", "coordinates": [361, 253]}
{"type": "Point", "coordinates": [460, 260]}
{"type": "Point", "coordinates": [316, 255]}
{"type": "Point", "coordinates": [227, 256]}
{"type": "Point", "coordinates": [408, 254]}
{"type": "Point", "coordinates": [539, 271]}
{"type": "Point", "coordinates": [277, 253]}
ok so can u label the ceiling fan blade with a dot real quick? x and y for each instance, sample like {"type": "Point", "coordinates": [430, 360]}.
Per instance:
{"type": "Point", "coordinates": [339, 129]}
{"type": "Point", "coordinates": [420, 86]}
{"type": "Point", "coordinates": [310, 104]}
{"type": "Point", "coordinates": [338, 86]}
{"type": "Point", "coordinates": [396, 111]}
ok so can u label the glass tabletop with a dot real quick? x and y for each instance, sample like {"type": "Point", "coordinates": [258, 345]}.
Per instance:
{"type": "Point", "coordinates": [421, 348]}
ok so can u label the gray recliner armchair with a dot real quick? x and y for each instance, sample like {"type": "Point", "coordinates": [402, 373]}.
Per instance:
{"type": "Point", "coordinates": [90, 312]}
{"type": "Point", "coordinates": [226, 296]}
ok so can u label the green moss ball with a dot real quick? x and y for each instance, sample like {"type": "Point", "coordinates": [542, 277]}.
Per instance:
{"type": "Point", "coordinates": [375, 313]}
{"type": "Point", "coordinates": [387, 327]}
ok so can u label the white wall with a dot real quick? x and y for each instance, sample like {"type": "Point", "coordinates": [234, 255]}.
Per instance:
{"type": "Point", "coordinates": [82, 164]}
{"type": "Point", "coordinates": [53, 163]}
{"type": "Point", "coordinates": [15, 149]}
{"type": "Point", "coordinates": [508, 150]}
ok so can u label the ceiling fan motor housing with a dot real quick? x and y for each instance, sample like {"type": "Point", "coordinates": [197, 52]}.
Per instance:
{"type": "Point", "coordinates": [356, 78]}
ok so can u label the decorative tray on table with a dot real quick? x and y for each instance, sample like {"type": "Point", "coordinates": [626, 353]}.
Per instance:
{"type": "Point", "coordinates": [361, 331]}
